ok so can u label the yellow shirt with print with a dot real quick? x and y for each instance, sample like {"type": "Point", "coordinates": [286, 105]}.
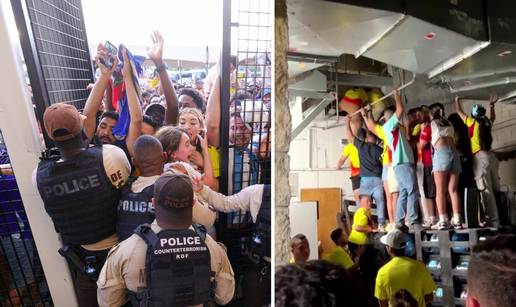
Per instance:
{"type": "Point", "coordinates": [338, 255]}
{"type": "Point", "coordinates": [352, 152]}
{"type": "Point", "coordinates": [381, 136]}
{"type": "Point", "coordinates": [474, 133]}
{"type": "Point", "coordinates": [404, 273]}
{"type": "Point", "coordinates": [360, 218]}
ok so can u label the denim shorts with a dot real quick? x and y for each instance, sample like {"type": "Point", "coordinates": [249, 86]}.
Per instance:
{"type": "Point", "coordinates": [446, 160]}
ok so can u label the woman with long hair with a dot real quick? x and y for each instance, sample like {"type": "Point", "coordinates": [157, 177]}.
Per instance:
{"type": "Point", "coordinates": [192, 122]}
{"type": "Point", "coordinates": [446, 167]}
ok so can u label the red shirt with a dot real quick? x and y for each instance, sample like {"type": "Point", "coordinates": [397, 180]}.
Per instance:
{"type": "Point", "coordinates": [426, 153]}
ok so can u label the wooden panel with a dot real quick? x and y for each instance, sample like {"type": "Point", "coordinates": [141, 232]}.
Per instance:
{"type": "Point", "coordinates": [329, 203]}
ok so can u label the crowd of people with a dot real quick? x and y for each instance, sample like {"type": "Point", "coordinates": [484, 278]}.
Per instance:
{"type": "Point", "coordinates": [407, 161]}
{"type": "Point", "coordinates": [342, 277]}
{"type": "Point", "coordinates": [133, 187]}
{"type": "Point", "coordinates": [402, 162]}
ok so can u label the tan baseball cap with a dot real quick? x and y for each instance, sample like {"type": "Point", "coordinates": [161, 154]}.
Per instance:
{"type": "Point", "coordinates": [62, 121]}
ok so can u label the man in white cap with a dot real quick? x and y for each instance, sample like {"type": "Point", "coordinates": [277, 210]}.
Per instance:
{"type": "Point", "coordinates": [402, 272]}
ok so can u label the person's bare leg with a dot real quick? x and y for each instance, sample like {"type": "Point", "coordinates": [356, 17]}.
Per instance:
{"type": "Point", "coordinates": [440, 192]}
{"type": "Point", "coordinates": [430, 204]}
{"type": "Point", "coordinates": [394, 201]}
{"type": "Point", "coordinates": [388, 198]}
{"type": "Point", "coordinates": [356, 195]}
{"type": "Point", "coordinates": [454, 195]}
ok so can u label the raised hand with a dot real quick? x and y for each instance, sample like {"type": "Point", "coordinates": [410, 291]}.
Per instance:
{"type": "Point", "coordinates": [396, 94]}
{"type": "Point", "coordinates": [155, 52]}
{"type": "Point", "coordinates": [203, 141]}
{"type": "Point", "coordinates": [102, 53]}
{"type": "Point", "coordinates": [493, 99]}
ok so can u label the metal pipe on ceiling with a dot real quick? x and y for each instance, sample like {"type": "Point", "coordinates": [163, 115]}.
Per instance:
{"type": "Point", "coordinates": [503, 81]}
{"type": "Point", "coordinates": [311, 58]}
{"type": "Point", "coordinates": [480, 74]}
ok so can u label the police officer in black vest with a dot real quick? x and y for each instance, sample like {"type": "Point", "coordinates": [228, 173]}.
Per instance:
{"type": "Point", "coordinates": [255, 199]}
{"type": "Point", "coordinates": [80, 191]}
{"type": "Point", "coordinates": [135, 205]}
{"type": "Point", "coordinates": [170, 262]}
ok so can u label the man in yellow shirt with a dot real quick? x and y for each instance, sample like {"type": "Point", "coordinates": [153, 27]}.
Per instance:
{"type": "Point", "coordinates": [362, 225]}
{"type": "Point", "coordinates": [402, 273]}
{"type": "Point", "coordinates": [351, 152]}
{"type": "Point", "coordinates": [485, 163]}
{"type": "Point", "coordinates": [339, 254]}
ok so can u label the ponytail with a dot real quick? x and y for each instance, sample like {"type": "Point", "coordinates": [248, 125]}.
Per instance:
{"type": "Point", "coordinates": [437, 111]}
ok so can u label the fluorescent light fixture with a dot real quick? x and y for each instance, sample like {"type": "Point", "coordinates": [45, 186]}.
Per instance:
{"type": "Point", "coordinates": [466, 53]}
{"type": "Point", "coordinates": [377, 38]}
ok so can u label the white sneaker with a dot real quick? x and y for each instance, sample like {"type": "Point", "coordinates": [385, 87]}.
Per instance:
{"type": "Point", "coordinates": [442, 225]}
{"type": "Point", "coordinates": [428, 223]}
{"type": "Point", "coordinates": [456, 225]}
{"type": "Point", "coordinates": [390, 227]}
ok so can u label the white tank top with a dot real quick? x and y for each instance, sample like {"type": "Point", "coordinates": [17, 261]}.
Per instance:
{"type": "Point", "coordinates": [441, 131]}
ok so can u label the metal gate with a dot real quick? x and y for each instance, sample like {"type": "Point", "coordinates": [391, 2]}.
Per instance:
{"type": "Point", "coordinates": [55, 49]}
{"type": "Point", "coordinates": [22, 282]}
{"type": "Point", "coordinates": [249, 148]}
{"type": "Point", "coordinates": [56, 53]}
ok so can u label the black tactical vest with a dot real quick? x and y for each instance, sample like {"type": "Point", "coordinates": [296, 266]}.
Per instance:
{"type": "Point", "coordinates": [177, 268]}
{"type": "Point", "coordinates": [134, 209]}
{"type": "Point", "coordinates": [79, 197]}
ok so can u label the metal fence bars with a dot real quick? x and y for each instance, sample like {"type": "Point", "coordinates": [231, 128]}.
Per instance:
{"type": "Point", "coordinates": [22, 282]}
{"type": "Point", "coordinates": [249, 118]}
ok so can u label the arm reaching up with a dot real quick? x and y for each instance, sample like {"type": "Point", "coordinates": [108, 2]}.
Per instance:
{"type": "Point", "coordinates": [213, 115]}
{"type": "Point", "coordinates": [492, 101]}
{"type": "Point", "coordinates": [135, 127]}
{"type": "Point", "coordinates": [400, 108]}
{"type": "Point", "coordinates": [209, 178]}
{"type": "Point", "coordinates": [458, 108]}
{"type": "Point", "coordinates": [155, 53]}
{"type": "Point", "coordinates": [369, 121]}
{"type": "Point", "coordinates": [347, 126]}
{"type": "Point", "coordinates": [97, 93]}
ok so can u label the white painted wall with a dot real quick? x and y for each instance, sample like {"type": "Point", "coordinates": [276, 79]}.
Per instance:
{"type": "Point", "coordinates": [313, 158]}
